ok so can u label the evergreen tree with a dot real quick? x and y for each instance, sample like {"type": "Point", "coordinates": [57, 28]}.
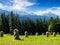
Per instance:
{"type": "Point", "coordinates": [51, 26]}
{"type": "Point", "coordinates": [0, 22]}
{"type": "Point", "coordinates": [11, 22]}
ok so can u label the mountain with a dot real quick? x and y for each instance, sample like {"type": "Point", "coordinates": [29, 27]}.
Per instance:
{"type": "Point", "coordinates": [34, 16]}
{"type": "Point", "coordinates": [25, 15]}
{"type": "Point", "coordinates": [4, 11]}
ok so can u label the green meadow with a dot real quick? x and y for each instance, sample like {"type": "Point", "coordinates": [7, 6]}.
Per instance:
{"type": "Point", "coordinates": [31, 40]}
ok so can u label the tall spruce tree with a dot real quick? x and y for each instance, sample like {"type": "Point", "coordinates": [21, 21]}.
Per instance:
{"type": "Point", "coordinates": [51, 26]}
{"type": "Point", "coordinates": [0, 22]}
{"type": "Point", "coordinates": [11, 22]}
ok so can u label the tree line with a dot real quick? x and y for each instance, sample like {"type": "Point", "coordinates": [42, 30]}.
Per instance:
{"type": "Point", "coordinates": [11, 21]}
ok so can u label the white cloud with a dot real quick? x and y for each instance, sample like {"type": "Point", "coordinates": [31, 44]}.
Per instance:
{"type": "Point", "coordinates": [21, 4]}
{"type": "Point", "coordinates": [54, 10]}
{"type": "Point", "coordinates": [5, 7]}
{"type": "Point", "coordinates": [1, 6]}
{"type": "Point", "coordinates": [17, 5]}
{"type": "Point", "coordinates": [42, 12]}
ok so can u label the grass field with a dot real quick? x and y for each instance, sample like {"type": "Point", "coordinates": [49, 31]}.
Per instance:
{"type": "Point", "coordinates": [31, 40]}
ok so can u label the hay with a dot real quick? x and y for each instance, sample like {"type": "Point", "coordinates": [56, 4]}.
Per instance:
{"type": "Point", "coordinates": [26, 34]}
{"type": "Point", "coordinates": [42, 33]}
{"type": "Point", "coordinates": [57, 33]}
{"type": "Point", "coordinates": [54, 34]}
{"type": "Point", "coordinates": [36, 33]}
{"type": "Point", "coordinates": [47, 34]}
{"type": "Point", "coordinates": [1, 33]}
{"type": "Point", "coordinates": [16, 34]}
{"type": "Point", "coordinates": [30, 33]}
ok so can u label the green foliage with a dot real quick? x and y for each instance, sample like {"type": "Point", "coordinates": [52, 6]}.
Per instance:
{"type": "Point", "coordinates": [0, 23]}
{"type": "Point", "coordinates": [52, 24]}
{"type": "Point", "coordinates": [11, 21]}
{"type": "Point", "coordinates": [51, 28]}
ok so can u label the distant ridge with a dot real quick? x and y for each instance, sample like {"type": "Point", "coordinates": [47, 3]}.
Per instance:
{"type": "Point", "coordinates": [25, 15]}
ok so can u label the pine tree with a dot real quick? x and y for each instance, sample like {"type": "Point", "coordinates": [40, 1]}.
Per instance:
{"type": "Point", "coordinates": [11, 22]}
{"type": "Point", "coordinates": [51, 26]}
{"type": "Point", "coordinates": [0, 22]}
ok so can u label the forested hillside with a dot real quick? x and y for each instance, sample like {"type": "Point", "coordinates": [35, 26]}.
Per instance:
{"type": "Point", "coordinates": [9, 22]}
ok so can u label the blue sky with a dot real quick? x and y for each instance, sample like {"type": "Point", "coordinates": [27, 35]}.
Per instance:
{"type": "Point", "coordinates": [38, 7]}
{"type": "Point", "coordinates": [46, 4]}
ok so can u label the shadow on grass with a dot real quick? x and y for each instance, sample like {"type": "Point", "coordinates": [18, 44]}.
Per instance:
{"type": "Point", "coordinates": [19, 39]}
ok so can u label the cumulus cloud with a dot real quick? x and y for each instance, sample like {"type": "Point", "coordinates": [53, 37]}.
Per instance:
{"type": "Point", "coordinates": [17, 5]}
{"type": "Point", "coordinates": [1, 6]}
{"type": "Point", "coordinates": [5, 7]}
{"type": "Point", "coordinates": [21, 4]}
{"type": "Point", "coordinates": [54, 10]}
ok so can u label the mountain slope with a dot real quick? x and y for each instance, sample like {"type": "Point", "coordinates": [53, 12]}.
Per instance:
{"type": "Point", "coordinates": [25, 15]}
